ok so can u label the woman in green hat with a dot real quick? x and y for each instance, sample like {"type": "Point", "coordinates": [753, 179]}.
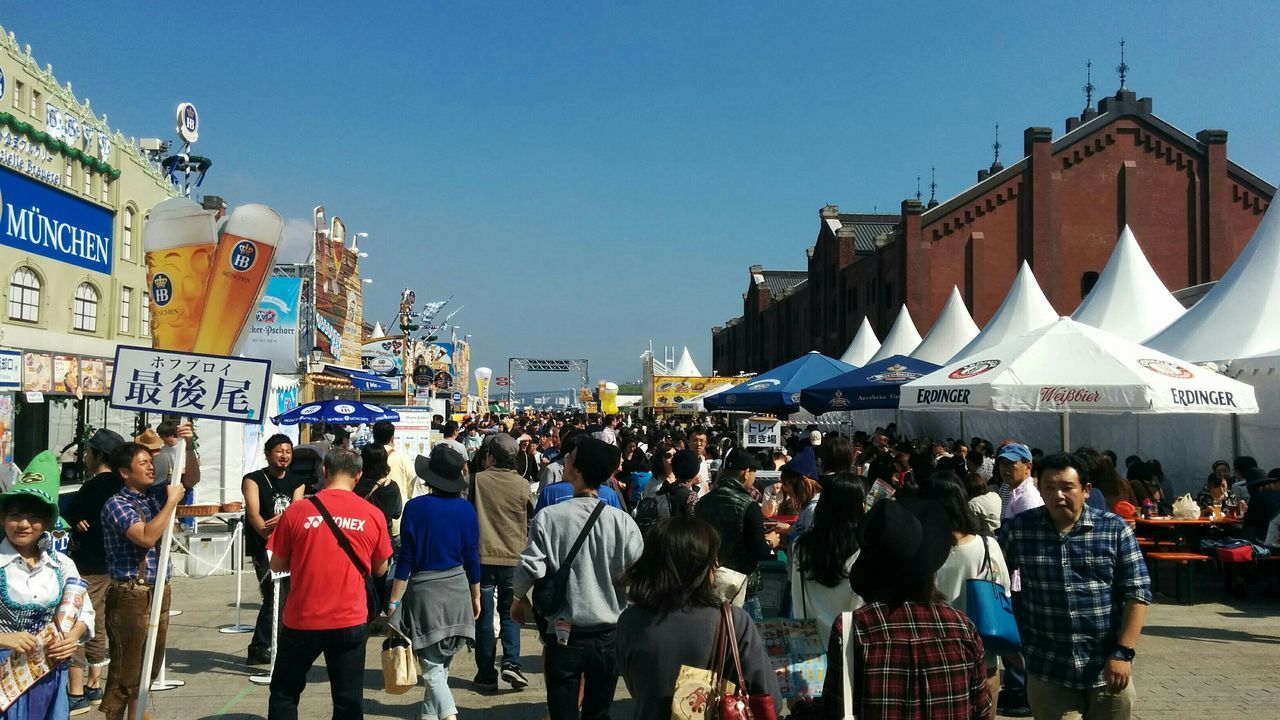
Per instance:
{"type": "Point", "coordinates": [32, 578]}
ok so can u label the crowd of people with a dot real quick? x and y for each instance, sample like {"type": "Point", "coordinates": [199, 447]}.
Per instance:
{"type": "Point", "coordinates": [622, 540]}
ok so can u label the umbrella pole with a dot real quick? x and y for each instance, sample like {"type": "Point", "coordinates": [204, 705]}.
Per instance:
{"type": "Point", "coordinates": [1235, 435]}
{"type": "Point", "coordinates": [1066, 432]}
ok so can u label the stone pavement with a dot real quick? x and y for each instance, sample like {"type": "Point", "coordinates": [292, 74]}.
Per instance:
{"type": "Point", "coordinates": [1210, 660]}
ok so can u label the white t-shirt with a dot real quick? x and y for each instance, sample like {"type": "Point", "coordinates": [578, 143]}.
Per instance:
{"type": "Point", "coordinates": [965, 563]}
{"type": "Point", "coordinates": [1023, 498]}
{"type": "Point", "coordinates": [812, 599]}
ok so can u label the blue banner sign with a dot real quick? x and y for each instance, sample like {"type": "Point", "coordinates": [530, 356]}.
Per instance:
{"type": "Point", "coordinates": [38, 219]}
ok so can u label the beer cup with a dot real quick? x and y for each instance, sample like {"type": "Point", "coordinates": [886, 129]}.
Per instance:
{"type": "Point", "coordinates": [179, 241]}
{"type": "Point", "coordinates": [240, 267]}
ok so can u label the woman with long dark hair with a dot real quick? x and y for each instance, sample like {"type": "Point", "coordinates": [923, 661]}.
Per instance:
{"type": "Point", "coordinates": [837, 457]}
{"type": "Point", "coordinates": [375, 483]}
{"type": "Point", "coordinates": [673, 618]}
{"type": "Point", "coordinates": [823, 555]}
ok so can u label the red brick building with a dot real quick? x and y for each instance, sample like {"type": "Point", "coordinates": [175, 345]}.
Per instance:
{"type": "Point", "coordinates": [1060, 208]}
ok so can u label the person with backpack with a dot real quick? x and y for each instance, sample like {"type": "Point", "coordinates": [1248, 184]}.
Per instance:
{"type": "Point", "coordinates": [673, 499]}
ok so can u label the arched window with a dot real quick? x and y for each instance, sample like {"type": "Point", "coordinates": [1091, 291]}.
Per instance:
{"type": "Point", "coordinates": [24, 295]}
{"type": "Point", "coordinates": [1087, 281]}
{"type": "Point", "coordinates": [126, 238]}
{"type": "Point", "coordinates": [84, 312]}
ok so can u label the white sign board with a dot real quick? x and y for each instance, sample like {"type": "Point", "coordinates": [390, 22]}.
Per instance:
{"type": "Point", "coordinates": [10, 369]}
{"type": "Point", "coordinates": [761, 432]}
{"type": "Point", "coordinates": [190, 384]}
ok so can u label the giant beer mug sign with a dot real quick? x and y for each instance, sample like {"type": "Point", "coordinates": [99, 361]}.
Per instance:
{"type": "Point", "coordinates": [205, 282]}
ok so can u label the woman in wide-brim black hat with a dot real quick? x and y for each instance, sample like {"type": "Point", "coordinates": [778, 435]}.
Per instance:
{"type": "Point", "coordinates": [906, 646]}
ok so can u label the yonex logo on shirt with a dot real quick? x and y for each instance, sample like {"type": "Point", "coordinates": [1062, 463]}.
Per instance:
{"type": "Point", "coordinates": [314, 521]}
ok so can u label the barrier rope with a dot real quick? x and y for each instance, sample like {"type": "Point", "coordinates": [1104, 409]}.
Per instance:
{"type": "Point", "coordinates": [216, 567]}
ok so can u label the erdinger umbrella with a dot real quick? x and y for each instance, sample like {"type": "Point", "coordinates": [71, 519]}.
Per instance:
{"type": "Point", "coordinates": [1069, 367]}
{"type": "Point", "coordinates": [338, 412]}
{"type": "Point", "coordinates": [778, 391]}
{"type": "Point", "coordinates": [874, 387]}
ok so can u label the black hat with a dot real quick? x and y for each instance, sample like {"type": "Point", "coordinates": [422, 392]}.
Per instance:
{"type": "Point", "coordinates": [1255, 478]}
{"type": "Point", "coordinates": [740, 460]}
{"type": "Point", "coordinates": [596, 460]}
{"type": "Point", "coordinates": [443, 471]}
{"type": "Point", "coordinates": [686, 465]}
{"type": "Point", "coordinates": [903, 542]}
{"type": "Point", "coordinates": [106, 441]}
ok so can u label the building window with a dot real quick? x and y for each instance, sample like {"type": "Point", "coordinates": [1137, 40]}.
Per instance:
{"type": "Point", "coordinates": [126, 299]}
{"type": "Point", "coordinates": [1087, 281]}
{"type": "Point", "coordinates": [24, 295]}
{"type": "Point", "coordinates": [35, 103]}
{"type": "Point", "coordinates": [144, 316]}
{"type": "Point", "coordinates": [126, 238]}
{"type": "Point", "coordinates": [18, 91]}
{"type": "Point", "coordinates": [106, 189]}
{"type": "Point", "coordinates": [84, 313]}
{"type": "Point", "coordinates": [67, 183]}
{"type": "Point", "coordinates": [88, 181]}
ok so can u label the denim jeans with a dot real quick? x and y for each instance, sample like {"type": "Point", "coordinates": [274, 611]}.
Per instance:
{"type": "Point", "coordinates": [497, 577]}
{"type": "Point", "coordinates": [437, 701]}
{"type": "Point", "coordinates": [589, 661]}
{"type": "Point", "coordinates": [344, 653]}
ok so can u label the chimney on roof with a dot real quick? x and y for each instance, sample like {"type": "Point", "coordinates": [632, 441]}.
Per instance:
{"type": "Point", "coordinates": [829, 212]}
{"type": "Point", "coordinates": [983, 174]}
{"type": "Point", "coordinates": [754, 269]}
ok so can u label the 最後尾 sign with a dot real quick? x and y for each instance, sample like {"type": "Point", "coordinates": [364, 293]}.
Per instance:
{"type": "Point", "coordinates": [761, 432]}
{"type": "Point", "coordinates": [190, 384]}
{"type": "Point", "coordinates": [37, 219]}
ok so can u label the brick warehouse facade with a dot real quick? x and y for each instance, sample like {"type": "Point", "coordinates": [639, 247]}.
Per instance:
{"type": "Point", "coordinates": [1060, 208]}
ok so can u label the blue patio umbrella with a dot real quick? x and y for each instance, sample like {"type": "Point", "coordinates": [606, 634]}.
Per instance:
{"type": "Point", "coordinates": [338, 412]}
{"type": "Point", "coordinates": [778, 391]}
{"type": "Point", "coordinates": [873, 387]}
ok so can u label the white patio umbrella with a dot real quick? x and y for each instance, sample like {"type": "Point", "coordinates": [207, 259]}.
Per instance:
{"type": "Point", "coordinates": [1069, 367]}
{"type": "Point", "coordinates": [696, 404]}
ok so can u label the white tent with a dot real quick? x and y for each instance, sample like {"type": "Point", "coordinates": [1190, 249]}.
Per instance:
{"type": "Point", "coordinates": [1024, 309]}
{"type": "Point", "coordinates": [1069, 367]}
{"type": "Point", "coordinates": [1129, 299]}
{"type": "Point", "coordinates": [1256, 434]}
{"type": "Point", "coordinates": [696, 404]}
{"type": "Point", "coordinates": [901, 340]}
{"type": "Point", "coordinates": [685, 366]}
{"type": "Point", "coordinates": [1240, 317]}
{"type": "Point", "coordinates": [863, 347]}
{"type": "Point", "coordinates": [953, 329]}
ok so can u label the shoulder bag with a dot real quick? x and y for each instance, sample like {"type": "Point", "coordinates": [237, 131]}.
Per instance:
{"type": "Point", "coordinates": [991, 609]}
{"type": "Point", "coordinates": [737, 703]}
{"type": "Point", "coordinates": [372, 607]}
{"type": "Point", "coordinates": [549, 592]}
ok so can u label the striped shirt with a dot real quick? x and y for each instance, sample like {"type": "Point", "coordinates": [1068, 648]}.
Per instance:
{"type": "Point", "coordinates": [1074, 589]}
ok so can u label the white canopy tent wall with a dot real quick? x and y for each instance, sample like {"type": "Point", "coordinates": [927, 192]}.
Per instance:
{"type": "Point", "coordinates": [863, 346]}
{"type": "Point", "coordinates": [1256, 434]}
{"type": "Point", "coordinates": [1129, 299]}
{"type": "Point", "coordinates": [953, 329]}
{"type": "Point", "coordinates": [903, 338]}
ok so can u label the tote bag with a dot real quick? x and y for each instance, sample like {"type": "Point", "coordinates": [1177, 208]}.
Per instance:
{"type": "Point", "coordinates": [991, 609]}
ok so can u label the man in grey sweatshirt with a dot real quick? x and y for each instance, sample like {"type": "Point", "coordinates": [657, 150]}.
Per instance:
{"type": "Point", "coordinates": [580, 634]}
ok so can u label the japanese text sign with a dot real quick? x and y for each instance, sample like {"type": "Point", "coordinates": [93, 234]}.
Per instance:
{"type": "Point", "coordinates": [761, 432]}
{"type": "Point", "coordinates": [191, 384]}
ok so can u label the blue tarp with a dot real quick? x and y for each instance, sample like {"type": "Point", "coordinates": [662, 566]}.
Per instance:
{"type": "Point", "coordinates": [778, 391]}
{"type": "Point", "coordinates": [361, 379]}
{"type": "Point", "coordinates": [873, 387]}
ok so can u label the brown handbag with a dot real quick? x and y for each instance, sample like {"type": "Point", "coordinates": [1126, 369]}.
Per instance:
{"type": "Point", "coordinates": [737, 704]}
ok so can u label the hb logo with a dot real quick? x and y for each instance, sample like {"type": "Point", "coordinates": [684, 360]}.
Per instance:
{"type": "Point", "coordinates": [313, 521]}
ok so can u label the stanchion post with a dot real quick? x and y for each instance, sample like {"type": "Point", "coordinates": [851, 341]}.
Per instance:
{"type": "Point", "coordinates": [157, 601]}
{"type": "Point", "coordinates": [238, 542]}
{"type": "Point", "coordinates": [275, 636]}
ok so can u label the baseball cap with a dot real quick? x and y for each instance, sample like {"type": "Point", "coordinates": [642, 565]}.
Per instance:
{"type": "Point", "coordinates": [503, 448]}
{"type": "Point", "coordinates": [1015, 452]}
{"type": "Point", "coordinates": [815, 438]}
{"type": "Point", "coordinates": [740, 460]}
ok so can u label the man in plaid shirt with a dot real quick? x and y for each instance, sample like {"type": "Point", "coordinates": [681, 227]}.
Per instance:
{"type": "Point", "coordinates": [1085, 592]}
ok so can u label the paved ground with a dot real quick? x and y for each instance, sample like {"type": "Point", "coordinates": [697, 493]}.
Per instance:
{"type": "Point", "coordinates": [1211, 660]}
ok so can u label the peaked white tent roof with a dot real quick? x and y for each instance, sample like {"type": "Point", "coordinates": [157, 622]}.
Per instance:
{"type": "Point", "coordinates": [863, 347]}
{"type": "Point", "coordinates": [1129, 299]}
{"type": "Point", "coordinates": [1240, 317]}
{"type": "Point", "coordinates": [1024, 309]}
{"type": "Point", "coordinates": [902, 338]}
{"type": "Point", "coordinates": [685, 366]}
{"type": "Point", "coordinates": [378, 331]}
{"type": "Point", "coordinates": [953, 329]}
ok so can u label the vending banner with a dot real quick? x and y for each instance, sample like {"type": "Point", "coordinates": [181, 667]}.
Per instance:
{"type": "Point", "coordinates": [274, 330]}
{"type": "Point", "coordinates": [66, 374]}
{"type": "Point", "coordinates": [339, 320]}
{"type": "Point", "coordinates": [439, 357]}
{"type": "Point", "coordinates": [10, 369]}
{"type": "Point", "coordinates": [190, 384]}
{"type": "Point", "coordinates": [671, 390]}
{"type": "Point", "coordinates": [38, 219]}
{"type": "Point", "coordinates": [37, 372]}
{"type": "Point", "coordinates": [383, 357]}
{"type": "Point", "coordinates": [93, 376]}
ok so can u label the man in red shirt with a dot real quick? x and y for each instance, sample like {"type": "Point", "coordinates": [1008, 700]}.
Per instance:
{"type": "Point", "coordinates": [326, 610]}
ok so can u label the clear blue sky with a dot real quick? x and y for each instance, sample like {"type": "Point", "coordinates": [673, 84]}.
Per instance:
{"type": "Point", "coordinates": [586, 177]}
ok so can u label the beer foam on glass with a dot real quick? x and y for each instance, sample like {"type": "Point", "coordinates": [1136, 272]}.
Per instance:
{"type": "Point", "coordinates": [240, 268]}
{"type": "Point", "coordinates": [180, 240]}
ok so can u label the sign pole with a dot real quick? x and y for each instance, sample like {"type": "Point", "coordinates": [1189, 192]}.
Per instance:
{"type": "Point", "coordinates": [157, 600]}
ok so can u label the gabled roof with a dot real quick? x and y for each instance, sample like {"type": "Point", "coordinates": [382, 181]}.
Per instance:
{"type": "Point", "coordinates": [866, 228]}
{"type": "Point", "coordinates": [778, 282]}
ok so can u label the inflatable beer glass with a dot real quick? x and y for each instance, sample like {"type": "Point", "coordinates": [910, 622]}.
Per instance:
{"type": "Point", "coordinates": [180, 240]}
{"type": "Point", "coordinates": [240, 268]}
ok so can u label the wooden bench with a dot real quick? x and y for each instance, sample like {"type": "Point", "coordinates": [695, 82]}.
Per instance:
{"type": "Point", "coordinates": [1184, 564]}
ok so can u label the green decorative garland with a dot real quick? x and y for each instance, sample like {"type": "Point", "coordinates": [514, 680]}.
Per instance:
{"type": "Point", "coordinates": [57, 146]}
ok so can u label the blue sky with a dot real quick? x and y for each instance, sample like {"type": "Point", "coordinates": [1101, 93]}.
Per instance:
{"type": "Point", "coordinates": [587, 177]}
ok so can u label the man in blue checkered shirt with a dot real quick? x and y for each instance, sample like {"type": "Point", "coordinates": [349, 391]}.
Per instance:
{"type": "Point", "coordinates": [1085, 592]}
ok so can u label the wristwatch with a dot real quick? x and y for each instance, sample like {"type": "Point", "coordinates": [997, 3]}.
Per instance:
{"type": "Point", "coordinates": [1124, 652]}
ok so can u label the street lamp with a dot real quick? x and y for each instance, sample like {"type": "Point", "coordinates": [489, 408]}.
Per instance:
{"type": "Point", "coordinates": [355, 238]}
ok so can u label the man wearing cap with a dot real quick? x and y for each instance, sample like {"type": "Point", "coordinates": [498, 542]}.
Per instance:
{"type": "Point", "coordinates": [1017, 487]}
{"type": "Point", "coordinates": [504, 507]}
{"type": "Point", "coordinates": [580, 652]}
{"type": "Point", "coordinates": [562, 490]}
{"type": "Point", "coordinates": [739, 520]}
{"type": "Point", "coordinates": [133, 524]}
{"type": "Point", "coordinates": [1084, 597]}
{"type": "Point", "coordinates": [84, 517]}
